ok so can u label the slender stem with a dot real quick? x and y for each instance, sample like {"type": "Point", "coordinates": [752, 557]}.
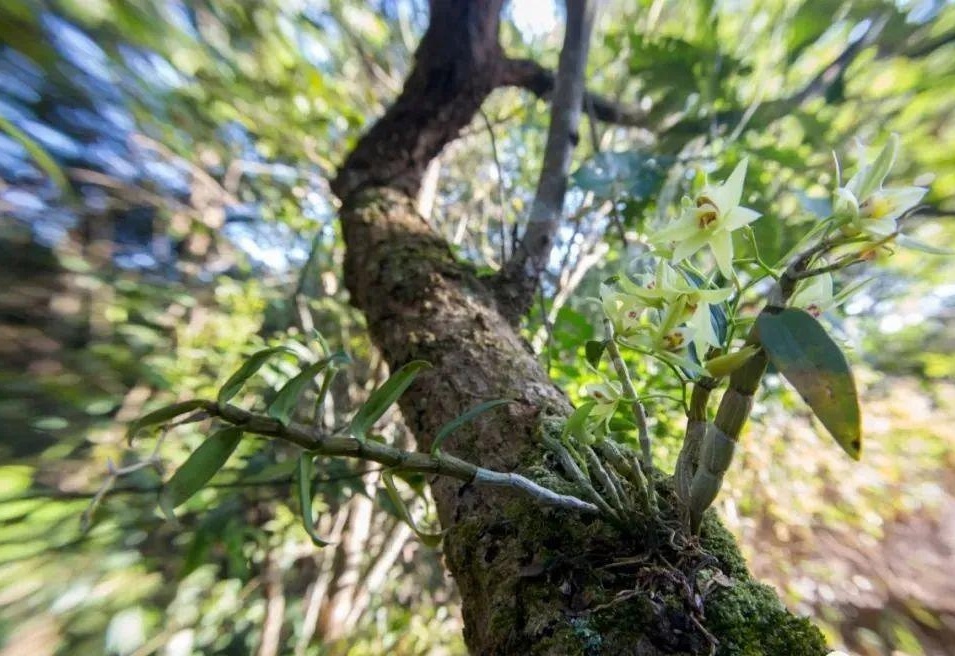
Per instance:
{"type": "Point", "coordinates": [628, 389]}
{"type": "Point", "coordinates": [442, 464]}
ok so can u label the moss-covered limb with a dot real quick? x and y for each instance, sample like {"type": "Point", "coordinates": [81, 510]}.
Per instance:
{"type": "Point", "coordinates": [562, 586]}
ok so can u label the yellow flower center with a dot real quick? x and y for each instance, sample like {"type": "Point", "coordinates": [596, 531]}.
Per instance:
{"type": "Point", "coordinates": [674, 341]}
{"type": "Point", "coordinates": [875, 206]}
{"type": "Point", "coordinates": [707, 213]}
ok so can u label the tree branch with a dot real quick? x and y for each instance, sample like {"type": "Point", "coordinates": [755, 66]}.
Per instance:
{"type": "Point", "coordinates": [521, 274]}
{"type": "Point", "coordinates": [528, 74]}
{"type": "Point", "coordinates": [441, 464]}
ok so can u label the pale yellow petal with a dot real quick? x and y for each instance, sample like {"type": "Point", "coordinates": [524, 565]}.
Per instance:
{"type": "Point", "coordinates": [739, 217]}
{"type": "Point", "coordinates": [687, 247]}
{"type": "Point", "coordinates": [722, 245]}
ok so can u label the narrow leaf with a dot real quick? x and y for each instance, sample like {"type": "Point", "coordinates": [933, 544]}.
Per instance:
{"type": "Point", "coordinates": [383, 397]}
{"type": "Point", "coordinates": [305, 499]}
{"type": "Point", "coordinates": [162, 416]}
{"type": "Point", "coordinates": [199, 467]}
{"type": "Point", "coordinates": [801, 350]}
{"type": "Point", "coordinates": [577, 422]}
{"type": "Point", "coordinates": [457, 422]}
{"type": "Point", "coordinates": [430, 539]}
{"type": "Point", "coordinates": [285, 401]}
{"type": "Point", "coordinates": [594, 350]}
{"type": "Point", "coordinates": [247, 370]}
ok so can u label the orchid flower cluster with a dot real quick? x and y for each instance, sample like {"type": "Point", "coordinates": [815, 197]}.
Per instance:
{"type": "Point", "coordinates": [686, 314]}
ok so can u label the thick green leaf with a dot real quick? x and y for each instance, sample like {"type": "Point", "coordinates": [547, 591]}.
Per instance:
{"type": "Point", "coordinates": [246, 371]}
{"type": "Point", "coordinates": [383, 397]}
{"type": "Point", "coordinates": [577, 422]}
{"type": "Point", "coordinates": [304, 481]}
{"type": "Point", "coordinates": [594, 350]}
{"type": "Point", "coordinates": [162, 416]}
{"type": "Point", "coordinates": [806, 356]}
{"type": "Point", "coordinates": [285, 401]}
{"type": "Point", "coordinates": [199, 467]}
{"type": "Point", "coordinates": [430, 539]}
{"type": "Point", "coordinates": [457, 422]}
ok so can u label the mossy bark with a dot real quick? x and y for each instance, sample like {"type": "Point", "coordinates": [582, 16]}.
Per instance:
{"type": "Point", "coordinates": [532, 580]}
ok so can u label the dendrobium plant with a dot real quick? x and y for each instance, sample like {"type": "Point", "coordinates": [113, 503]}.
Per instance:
{"type": "Point", "coordinates": [710, 220]}
{"type": "Point", "coordinates": [869, 208]}
{"type": "Point", "coordinates": [662, 314]}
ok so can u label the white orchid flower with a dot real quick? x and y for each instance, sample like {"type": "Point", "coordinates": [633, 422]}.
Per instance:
{"type": "Point", "coordinates": [671, 290]}
{"type": "Point", "coordinates": [868, 206]}
{"type": "Point", "coordinates": [710, 220]}
{"type": "Point", "coordinates": [606, 397]}
{"type": "Point", "coordinates": [623, 310]}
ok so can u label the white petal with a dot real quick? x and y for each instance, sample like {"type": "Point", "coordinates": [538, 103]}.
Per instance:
{"type": "Point", "coordinates": [880, 227]}
{"type": "Point", "coordinates": [703, 333]}
{"type": "Point", "coordinates": [727, 195]}
{"type": "Point", "coordinates": [903, 199]}
{"type": "Point", "coordinates": [722, 246]}
{"type": "Point", "coordinates": [715, 295]}
{"type": "Point", "coordinates": [687, 247]}
{"type": "Point", "coordinates": [738, 217]}
{"type": "Point", "coordinates": [877, 172]}
{"type": "Point", "coordinates": [682, 228]}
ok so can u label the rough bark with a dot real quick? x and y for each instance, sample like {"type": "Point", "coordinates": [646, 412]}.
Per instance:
{"type": "Point", "coordinates": [532, 580]}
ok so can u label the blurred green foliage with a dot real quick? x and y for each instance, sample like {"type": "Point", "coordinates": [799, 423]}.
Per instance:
{"type": "Point", "coordinates": [198, 140]}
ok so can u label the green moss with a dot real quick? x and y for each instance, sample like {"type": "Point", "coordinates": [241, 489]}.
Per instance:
{"type": "Point", "coordinates": [749, 620]}
{"type": "Point", "coordinates": [747, 617]}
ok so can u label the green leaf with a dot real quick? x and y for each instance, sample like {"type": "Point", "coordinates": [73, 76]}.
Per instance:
{"type": "Point", "coordinates": [162, 416]}
{"type": "Point", "coordinates": [801, 350]}
{"type": "Point", "coordinates": [285, 401]}
{"type": "Point", "coordinates": [577, 422]}
{"type": "Point", "coordinates": [430, 539]}
{"type": "Point", "coordinates": [304, 481]}
{"type": "Point", "coordinates": [246, 371]}
{"type": "Point", "coordinates": [621, 425]}
{"type": "Point", "coordinates": [594, 350]}
{"type": "Point", "coordinates": [457, 422]}
{"type": "Point", "coordinates": [199, 468]}
{"type": "Point", "coordinates": [916, 245]}
{"type": "Point", "coordinates": [383, 397]}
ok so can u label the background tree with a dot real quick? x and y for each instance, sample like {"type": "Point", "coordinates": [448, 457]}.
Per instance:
{"type": "Point", "coordinates": [144, 322]}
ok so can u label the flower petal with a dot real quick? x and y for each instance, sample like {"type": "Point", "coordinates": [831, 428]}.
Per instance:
{"type": "Point", "coordinates": [687, 247]}
{"type": "Point", "coordinates": [876, 173]}
{"type": "Point", "coordinates": [681, 228]}
{"type": "Point", "coordinates": [738, 217]}
{"type": "Point", "coordinates": [712, 296]}
{"type": "Point", "coordinates": [903, 199]}
{"type": "Point", "coordinates": [727, 195]}
{"type": "Point", "coordinates": [722, 245]}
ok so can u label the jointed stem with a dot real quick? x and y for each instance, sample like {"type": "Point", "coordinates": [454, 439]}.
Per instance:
{"type": "Point", "coordinates": [628, 389]}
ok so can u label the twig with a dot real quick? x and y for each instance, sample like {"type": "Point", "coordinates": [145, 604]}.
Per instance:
{"type": "Point", "coordinates": [521, 274]}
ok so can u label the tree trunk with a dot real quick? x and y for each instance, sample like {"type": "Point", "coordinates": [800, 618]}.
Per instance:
{"type": "Point", "coordinates": [532, 580]}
